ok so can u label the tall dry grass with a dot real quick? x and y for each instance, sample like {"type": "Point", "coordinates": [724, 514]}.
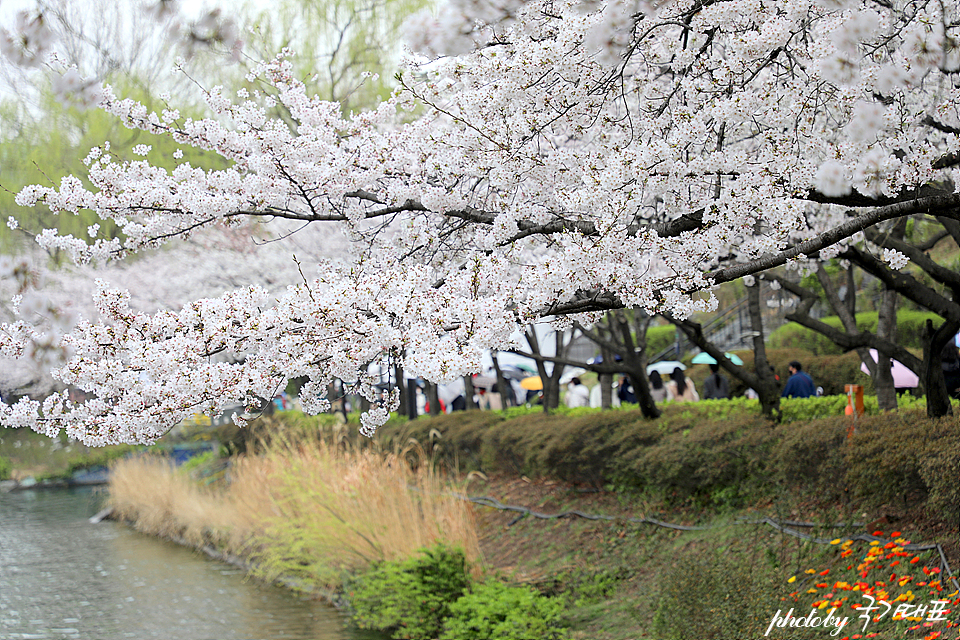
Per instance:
{"type": "Point", "coordinates": [304, 509]}
{"type": "Point", "coordinates": [329, 509]}
{"type": "Point", "coordinates": [148, 492]}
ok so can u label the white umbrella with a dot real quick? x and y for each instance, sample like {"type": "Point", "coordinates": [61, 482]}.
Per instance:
{"type": "Point", "coordinates": [450, 391]}
{"type": "Point", "coordinates": [665, 367]}
{"type": "Point", "coordinates": [903, 378]}
{"type": "Point", "coordinates": [570, 374]}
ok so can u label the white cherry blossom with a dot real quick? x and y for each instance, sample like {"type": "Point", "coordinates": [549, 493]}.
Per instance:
{"type": "Point", "coordinates": [540, 159]}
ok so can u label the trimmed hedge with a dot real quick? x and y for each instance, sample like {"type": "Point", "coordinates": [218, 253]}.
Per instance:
{"type": "Point", "coordinates": [720, 453]}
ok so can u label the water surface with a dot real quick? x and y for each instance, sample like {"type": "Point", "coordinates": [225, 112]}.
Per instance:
{"type": "Point", "coordinates": [62, 577]}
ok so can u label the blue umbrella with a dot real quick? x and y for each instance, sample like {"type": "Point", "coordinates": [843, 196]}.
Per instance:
{"type": "Point", "coordinates": [705, 358]}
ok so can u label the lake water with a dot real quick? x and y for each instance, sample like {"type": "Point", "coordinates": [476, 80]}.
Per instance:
{"type": "Point", "coordinates": [62, 577]}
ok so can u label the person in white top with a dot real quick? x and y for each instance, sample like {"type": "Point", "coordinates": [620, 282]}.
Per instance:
{"type": "Point", "coordinates": [578, 395]}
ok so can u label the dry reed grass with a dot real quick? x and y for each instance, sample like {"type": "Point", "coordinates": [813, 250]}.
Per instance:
{"type": "Point", "coordinates": [329, 508]}
{"type": "Point", "coordinates": [304, 509]}
{"type": "Point", "coordinates": [148, 492]}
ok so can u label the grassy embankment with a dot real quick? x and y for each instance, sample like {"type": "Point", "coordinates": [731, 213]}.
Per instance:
{"type": "Point", "coordinates": [315, 512]}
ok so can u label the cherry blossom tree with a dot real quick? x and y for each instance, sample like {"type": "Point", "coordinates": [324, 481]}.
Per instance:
{"type": "Point", "coordinates": [550, 159]}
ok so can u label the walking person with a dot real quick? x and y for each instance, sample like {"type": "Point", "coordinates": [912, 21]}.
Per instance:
{"type": "Point", "coordinates": [658, 391]}
{"type": "Point", "coordinates": [716, 387]}
{"type": "Point", "coordinates": [681, 387]}
{"type": "Point", "coordinates": [578, 395]}
{"type": "Point", "coordinates": [800, 384]}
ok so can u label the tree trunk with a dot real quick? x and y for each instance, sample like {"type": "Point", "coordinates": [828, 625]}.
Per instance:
{"type": "Point", "coordinates": [469, 392]}
{"type": "Point", "coordinates": [606, 380]}
{"type": "Point", "coordinates": [767, 388]}
{"type": "Point", "coordinates": [412, 409]}
{"type": "Point", "coordinates": [433, 398]}
{"type": "Point", "coordinates": [938, 400]}
{"type": "Point", "coordinates": [507, 398]}
{"type": "Point", "coordinates": [534, 344]}
{"type": "Point", "coordinates": [398, 379]}
{"type": "Point", "coordinates": [886, 328]}
{"type": "Point", "coordinates": [638, 376]}
{"type": "Point", "coordinates": [551, 391]}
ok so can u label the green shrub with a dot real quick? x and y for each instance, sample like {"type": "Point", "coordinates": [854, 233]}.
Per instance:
{"type": "Point", "coordinates": [6, 468]}
{"type": "Point", "coordinates": [495, 611]}
{"type": "Point", "coordinates": [715, 462]}
{"type": "Point", "coordinates": [809, 456]}
{"type": "Point", "coordinates": [827, 406]}
{"type": "Point", "coordinates": [410, 598]}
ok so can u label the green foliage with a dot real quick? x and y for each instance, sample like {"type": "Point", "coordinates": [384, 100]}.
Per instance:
{"type": "Point", "coordinates": [883, 459]}
{"type": "Point", "coordinates": [794, 336]}
{"type": "Point", "coordinates": [940, 468]}
{"type": "Point", "coordinates": [660, 337]}
{"type": "Point", "coordinates": [198, 462]}
{"type": "Point", "coordinates": [45, 149]}
{"type": "Point", "coordinates": [495, 611]}
{"type": "Point", "coordinates": [810, 455]}
{"type": "Point", "coordinates": [411, 598]}
{"type": "Point", "coordinates": [804, 409]}
{"type": "Point", "coordinates": [582, 588]}
{"type": "Point", "coordinates": [716, 462]}
{"type": "Point", "coordinates": [6, 468]}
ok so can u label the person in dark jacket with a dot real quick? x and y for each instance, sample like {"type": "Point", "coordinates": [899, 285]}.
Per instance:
{"type": "Point", "coordinates": [716, 386]}
{"type": "Point", "coordinates": [800, 385]}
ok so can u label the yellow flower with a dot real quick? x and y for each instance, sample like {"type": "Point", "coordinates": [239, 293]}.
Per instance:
{"type": "Point", "coordinates": [837, 541]}
{"type": "Point", "coordinates": [792, 580]}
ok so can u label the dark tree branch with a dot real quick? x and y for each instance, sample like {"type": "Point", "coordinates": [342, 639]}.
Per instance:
{"type": "Point", "coordinates": [941, 274]}
{"type": "Point", "coordinates": [846, 340]}
{"type": "Point", "coordinates": [904, 284]}
{"type": "Point", "coordinates": [946, 205]}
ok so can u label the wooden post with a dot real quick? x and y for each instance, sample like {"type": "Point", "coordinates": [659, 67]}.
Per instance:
{"type": "Point", "coordinates": [854, 405]}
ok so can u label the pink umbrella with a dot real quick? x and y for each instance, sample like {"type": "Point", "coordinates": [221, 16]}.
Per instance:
{"type": "Point", "coordinates": [902, 376]}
